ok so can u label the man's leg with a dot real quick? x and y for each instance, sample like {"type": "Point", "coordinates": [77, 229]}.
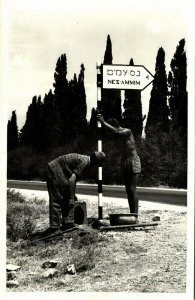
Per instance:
{"type": "Point", "coordinates": [55, 200]}
{"type": "Point", "coordinates": [67, 208]}
{"type": "Point", "coordinates": [130, 181]}
{"type": "Point", "coordinates": [68, 211]}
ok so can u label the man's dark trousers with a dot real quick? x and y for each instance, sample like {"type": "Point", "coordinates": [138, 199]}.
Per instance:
{"type": "Point", "coordinates": [60, 211]}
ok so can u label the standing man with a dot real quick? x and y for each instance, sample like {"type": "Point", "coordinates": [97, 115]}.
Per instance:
{"type": "Point", "coordinates": [63, 173]}
{"type": "Point", "coordinates": [130, 161]}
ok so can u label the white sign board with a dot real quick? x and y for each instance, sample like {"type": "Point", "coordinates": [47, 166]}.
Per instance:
{"type": "Point", "coordinates": [125, 77]}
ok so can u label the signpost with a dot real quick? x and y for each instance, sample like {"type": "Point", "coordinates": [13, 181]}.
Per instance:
{"type": "Point", "coordinates": [99, 126]}
{"type": "Point", "coordinates": [121, 77]}
{"type": "Point", "coordinates": [126, 77]}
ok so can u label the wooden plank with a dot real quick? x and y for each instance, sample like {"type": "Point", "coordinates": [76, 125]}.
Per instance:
{"type": "Point", "coordinates": [108, 228]}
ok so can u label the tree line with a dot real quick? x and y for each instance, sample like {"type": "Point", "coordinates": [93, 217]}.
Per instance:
{"type": "Point", "coordinates": [57, 124]}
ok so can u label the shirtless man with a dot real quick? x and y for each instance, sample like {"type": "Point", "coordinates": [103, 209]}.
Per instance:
{"type": "Point", "coordinates": [130, 161]}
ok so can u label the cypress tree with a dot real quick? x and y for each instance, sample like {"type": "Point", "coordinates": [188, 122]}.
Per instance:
{"type": "Point", "coordinates": [92, 129]}
{"type": "Point", "coordinates": [62, 99]}
{"type": "Point", "coordinates": [93, 119]}
{"type": "Point", "coordinates": [82, 97]}
{"type": "Point", "coordinates": [157, 120]}
{"type": "Point", "coordinates": [73, 111]}
{"type": "Point", "coordinates": [31, 133]}
{"type": "Point", "coordinates": [80, 106]}
{"type": "Point", "coordinates": [132, 114]}
{"type": "Point", "coordinates": [27, 131]}
{"type": "Point", "coordinates": [178, 99]}
{"type": "Point", "coordinates": [50, 132]}
{"type": "Point", "coordinates": [39, 129]}
{"type": "Point", "coordinates": [12, 132]}
{"type": "Point", "coordinates": [108, 52]}
{"type": "Point", "coordinates": [111, 98]}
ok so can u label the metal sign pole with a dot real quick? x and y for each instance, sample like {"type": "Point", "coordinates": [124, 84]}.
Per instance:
{"type": "Point", "coordinates": [99, 127]}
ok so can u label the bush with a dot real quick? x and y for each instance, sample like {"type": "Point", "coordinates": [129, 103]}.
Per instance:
{"type": "Point", "coordinates": [25, 163]}
{"type": "Point", "coordinates": [22, 216]}
{"type": "Point", "coordinates": [20, 221]}
{"type": "Point", "coordinates": [85, 260]}
{"type": "Point", "coordinates": [164, 161]}
{"type": "Point", "coordinates": [14, 197]}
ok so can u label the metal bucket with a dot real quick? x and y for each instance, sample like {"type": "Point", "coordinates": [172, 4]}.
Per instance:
{"type": "Point", "coordinates": [123, 219]}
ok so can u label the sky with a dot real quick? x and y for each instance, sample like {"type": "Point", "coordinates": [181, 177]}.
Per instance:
{"type": "Point", "coordinates": [39, 32]}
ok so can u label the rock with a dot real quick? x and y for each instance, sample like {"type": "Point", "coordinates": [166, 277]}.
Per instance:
{"type": "Point", "coordinates": [156, 218]}
{"type": "Point", "coordinates": [12, 283]}
{"type": "Point", "coordinates": [10, 267]}
{"type": "Point", "coordinates": [97, 223]}
{"type": "Point", "coordinates": [49, 264]}
{"type": "Point", "coordinates": [32, 274]}
{"type": "Point", "coordinates": [11, 275]}
{"type": "Point", "coordinates": [70, 269]}
{"type": "Point", "coordinates": [50, 273]}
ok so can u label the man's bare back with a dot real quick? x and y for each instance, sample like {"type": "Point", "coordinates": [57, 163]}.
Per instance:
{"type": "Point", "coordinates": [123, 136]}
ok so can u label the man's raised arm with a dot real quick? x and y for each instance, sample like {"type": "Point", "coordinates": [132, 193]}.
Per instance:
{"type": "Point", "coordinates": [116, 130]}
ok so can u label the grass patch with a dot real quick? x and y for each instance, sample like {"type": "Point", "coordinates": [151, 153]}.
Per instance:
{"type": "Point", "coordinates": [82, 241]}
{"type": "Point", "coordinates": [134, 261]}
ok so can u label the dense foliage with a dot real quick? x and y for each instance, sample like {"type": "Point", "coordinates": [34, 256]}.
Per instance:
{"type": "Point", "coordinates": [57, 125]}
{"type": "Point", "coordinates": [158, 109]}
{"type": "Point", "coordinates": [178, 99]}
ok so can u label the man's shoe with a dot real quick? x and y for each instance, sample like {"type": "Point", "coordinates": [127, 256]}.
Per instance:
{"type": "Point", "coordinates": [69, 225]}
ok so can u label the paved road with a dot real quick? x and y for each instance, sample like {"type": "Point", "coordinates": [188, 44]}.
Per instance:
{"type": "Point", "coordinates": [159, 195]}
{"type": "Point", "coordinates": [144, 205]}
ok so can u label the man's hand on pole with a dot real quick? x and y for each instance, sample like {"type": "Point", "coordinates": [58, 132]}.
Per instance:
{"type": "Point", "coordinates": [100, 118]}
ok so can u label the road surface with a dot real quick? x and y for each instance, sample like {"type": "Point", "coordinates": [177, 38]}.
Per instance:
{"type": "Point", "coordinates": [144, 205]}
{"type": "Point", "coordinates": [159, 195]}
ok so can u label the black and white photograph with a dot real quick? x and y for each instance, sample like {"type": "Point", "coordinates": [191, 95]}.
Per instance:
{"type": "Point", "coordinates": [97, 153]}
